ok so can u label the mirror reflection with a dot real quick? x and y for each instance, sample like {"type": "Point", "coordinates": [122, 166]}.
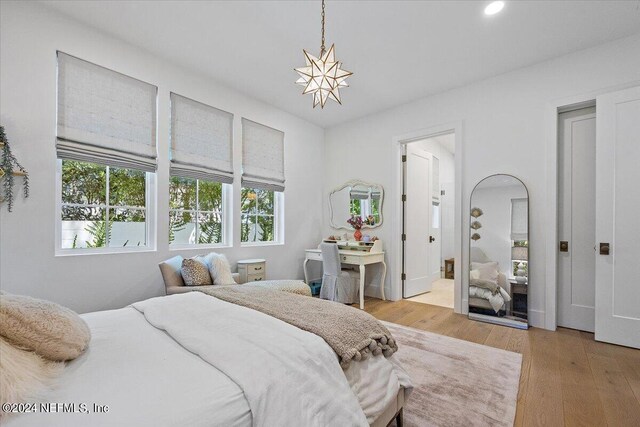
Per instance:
{"type": "Point", "coordinates": [499, 251]}
{"type": "Point", "coordinates": [356, 198]}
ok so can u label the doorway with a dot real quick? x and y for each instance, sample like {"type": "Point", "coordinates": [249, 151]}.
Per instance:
{"type": "Point", "coordinates": [577, 218]}
{"type": "Point", "coordinates": [609, 238]}
{"type": "Point", "coordinates": [428, 220]}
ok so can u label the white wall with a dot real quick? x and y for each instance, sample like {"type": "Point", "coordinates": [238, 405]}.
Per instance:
{"type": "Point", "coordinates": [447, 177]}
{"type": "Point", "coordinates": [30, 35]}
{"type": "Point", "coordinates": [504, 124]}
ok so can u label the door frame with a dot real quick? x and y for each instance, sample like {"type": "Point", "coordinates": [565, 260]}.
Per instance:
{"type": "Point", "coordinates": [396, 258]}
{"type": "Point", "coordinates": [552, 110]}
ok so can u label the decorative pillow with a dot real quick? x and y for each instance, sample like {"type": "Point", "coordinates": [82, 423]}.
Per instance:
{"type": "Point", "coordinates": [49, 329]}
{"type": "Point", "coordinates": [485, 284]}
{"type": "Point", "coordinates": [219, 269]}
{"type": "Point", "coordinates": [195, 272]}
{"type": "Point", "coordinates": [487, 270]}
{"type": "Point", "coordinates": [23, 374]}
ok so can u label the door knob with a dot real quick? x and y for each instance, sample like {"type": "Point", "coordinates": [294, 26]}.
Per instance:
{"type": "Point", "coordinates": [564, 246]}
{"type": "Point", "coordinates": [432, 239]}
{"type": "Point", "coordinates": [604, 249]}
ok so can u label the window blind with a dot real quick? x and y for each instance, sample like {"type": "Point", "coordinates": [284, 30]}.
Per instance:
{"type": "Point", "coordinates": [262, 156]}
{"type": "Point", "coordinates": [201, 141]}
{"type": "Point", "coordinates": [359, 194]}
{"type": "Point", "coordinates": [519, 219]}
{"type": "Point", "coordinates": [105, 117]}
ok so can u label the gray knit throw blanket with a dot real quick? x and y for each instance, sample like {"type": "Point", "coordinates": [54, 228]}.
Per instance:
{"type": "Point", "coordinates": [352, 333]}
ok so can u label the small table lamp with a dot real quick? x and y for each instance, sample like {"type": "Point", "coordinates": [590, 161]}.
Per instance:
{"type": "Point", "coordinates": [520, 253]}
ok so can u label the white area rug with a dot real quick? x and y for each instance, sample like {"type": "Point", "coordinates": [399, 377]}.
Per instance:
{"type": "Point", "coordinates": [457, 383]}
{"type": "Point", "coordinates": [441, 294]}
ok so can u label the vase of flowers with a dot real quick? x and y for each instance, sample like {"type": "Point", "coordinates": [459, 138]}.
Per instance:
{"type": "Point", "coordinates": [356, 222]}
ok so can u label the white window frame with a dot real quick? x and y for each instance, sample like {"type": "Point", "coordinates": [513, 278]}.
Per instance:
{"type": "Point", "coordinates": [227, 221]}
{"type": "Point", "coordinates": [150, 221]}
{"type": "Point", "coordinates": [278, 223]}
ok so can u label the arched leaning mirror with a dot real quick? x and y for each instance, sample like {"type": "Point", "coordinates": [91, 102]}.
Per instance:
{"type": "Point", "coordinates": [499, 251]}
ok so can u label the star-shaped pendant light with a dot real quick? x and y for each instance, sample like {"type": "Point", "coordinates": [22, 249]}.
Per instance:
{"type": "Point", "coordinates": [322, 77]}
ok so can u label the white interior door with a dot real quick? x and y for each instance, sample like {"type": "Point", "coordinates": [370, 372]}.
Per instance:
{"type": "Point", "coordinates": [577, 219]}
{"type": "Point", "coordinates": [435, 225]}
{"type": "Point", "coordinates": [617, 217]}
{"type": "Point", "coordinates": [417, 222]}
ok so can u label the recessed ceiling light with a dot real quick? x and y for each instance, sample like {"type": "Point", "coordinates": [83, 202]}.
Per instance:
{"type": "Point", "coordinates": [493, 7]}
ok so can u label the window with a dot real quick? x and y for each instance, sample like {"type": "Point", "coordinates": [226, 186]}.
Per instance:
{"type": "Point", "coordinates": [106, 150]}
{"type": "Point", "coordinates": [365, 204]}
{"type": "Point", "coordinates": [196, 212]}
{"type": "Point", "coordinates": [260, 220]}
{"type": "Point", "coordinates": [520, 254]}
{"type": "Point", "coordinates": [262, 196]}
{"type": "Point", "coordinates": [519, 234]}
{"type": "Point", "coordinates": [102, 207]}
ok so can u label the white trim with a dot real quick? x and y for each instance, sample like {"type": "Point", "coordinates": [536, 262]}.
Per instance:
{"type": "Point", "coordinates": [552, 110]}
{"type": "Point", "coordinates": [395, 257]}
{"type": "Point", "coordinates": [278, 222]}
{"type": "Point", "coordinates": [187, 246]}
{"type": "Point", "coordinates": [258, 244]}
{"type": "Point", "coordinates": [102, 251]}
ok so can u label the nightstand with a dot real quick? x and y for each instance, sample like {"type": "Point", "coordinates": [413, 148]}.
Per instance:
{"type": "Point", "coordinates": [252, 270]}
{"type": "Point", "coordinates": [519, 299]}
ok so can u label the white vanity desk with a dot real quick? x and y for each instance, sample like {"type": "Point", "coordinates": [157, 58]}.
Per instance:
{"type": "Point", "coordinates": [360, 257]}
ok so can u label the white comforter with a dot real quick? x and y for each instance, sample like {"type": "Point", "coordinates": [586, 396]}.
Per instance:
{"type": "Point", "coordinates": [289, 377]}
{"type": "Point", "coordinates": [147, 378]}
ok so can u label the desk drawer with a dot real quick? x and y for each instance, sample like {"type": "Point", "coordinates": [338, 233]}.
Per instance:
{"type": "Point", "coordinates": [350, 259]}
{"type": "Point", "coordinates": [255, 277]}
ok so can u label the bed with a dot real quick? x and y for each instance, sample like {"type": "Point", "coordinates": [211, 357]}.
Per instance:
{"type": "Point", "coordinates": [484, 300]}
{"type": "Point", "coordinates": [232, 367]}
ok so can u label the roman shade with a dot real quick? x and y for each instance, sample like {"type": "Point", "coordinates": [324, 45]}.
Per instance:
{"type": "Point", "coordinates": [359, 194]}
{"type": "Point", "coordinates": [105, 117]}
{"type": "Point", "coordinates": [519, 219]}
{"type": "Point", "coordinates": [201, 141]}
{"type": "Point", "coordinates": [262, 156]}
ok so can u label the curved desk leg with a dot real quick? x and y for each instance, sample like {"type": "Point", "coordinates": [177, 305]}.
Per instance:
{"type": "Point", "coordinates": [362, 286]}
{"type": "Point", "coordinates": [384, 275]}
{"type": "Point", "coordinates": [306, 273]}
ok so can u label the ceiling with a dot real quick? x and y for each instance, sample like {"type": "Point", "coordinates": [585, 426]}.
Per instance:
{"type": "Point", "coordinates": [399, 51]}
{"type": "Point", "coordinates": [448, 142]}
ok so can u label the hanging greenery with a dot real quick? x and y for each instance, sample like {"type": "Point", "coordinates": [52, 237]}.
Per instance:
{"type": "Point", "coordinates": [9, 169]}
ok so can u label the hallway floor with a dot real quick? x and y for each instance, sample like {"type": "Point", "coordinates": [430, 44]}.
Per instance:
{"type": "Point", "coordinates": [441, 294]}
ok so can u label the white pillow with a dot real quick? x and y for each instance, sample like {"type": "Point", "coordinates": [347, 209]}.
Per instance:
{"type": "Point", "coordinates": [219, 269]}
{"type": "Point", "coordinates": [488, 270]}
{"type": "Point", "coordinates": [474, 275]}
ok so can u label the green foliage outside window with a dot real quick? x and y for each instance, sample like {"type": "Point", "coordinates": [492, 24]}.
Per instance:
{"type": "Point", "coordinates": [195, 211]}
{"type": "Point", "coordinates": [356, 208]}
{"type": "Point", "coordinates": [102, 196]}
{"type": "Point", "coordinates": [258, 215]}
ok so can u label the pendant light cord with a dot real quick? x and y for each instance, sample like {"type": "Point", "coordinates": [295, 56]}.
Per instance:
{"type": "Point", "coordinates": [322, 45]}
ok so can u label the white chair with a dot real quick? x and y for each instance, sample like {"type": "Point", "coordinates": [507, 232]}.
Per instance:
{"type": "Point", "coordinates": [337, 285]}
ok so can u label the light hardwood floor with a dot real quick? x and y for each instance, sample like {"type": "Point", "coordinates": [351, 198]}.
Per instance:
{"type": "Point", "coordinates": [567, 377]}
